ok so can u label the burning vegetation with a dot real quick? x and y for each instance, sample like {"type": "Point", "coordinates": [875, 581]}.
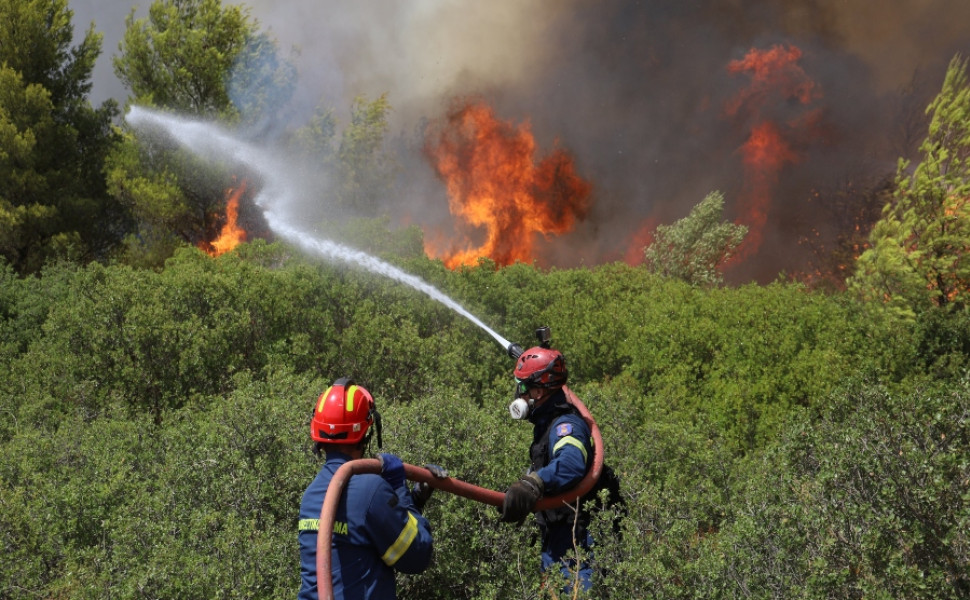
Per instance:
{"type": "Point", "coordinates": [231, 234]}
{"type": "Point", "coordinates": [502, 197]}
{"type": "Point", "coordinates": [776, 77]}
{"type": "Point", "coordinates": [495, 183]}
{"type": "Point", "coordinates": [776, 145]}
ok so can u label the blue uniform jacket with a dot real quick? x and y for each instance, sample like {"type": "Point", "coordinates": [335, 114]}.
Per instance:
{"type": "Point", "coordinates": [377, 530]}
{"type": "Point", "coordinates": [570, 445]}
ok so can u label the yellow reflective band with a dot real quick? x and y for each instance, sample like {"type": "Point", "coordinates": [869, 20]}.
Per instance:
{"type": "Point", "coordinates": [402, 543]}
{"type": "Point", "coordinates": [570, 440]}
{"type": "Point", "coordinates": [309, 524]}
{"type": "Point", "coordinates": [323, 399]}
{"type": "Point", "coordinates": [349, 405]}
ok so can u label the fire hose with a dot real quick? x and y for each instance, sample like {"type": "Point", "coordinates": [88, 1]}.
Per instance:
{"type": "Point", "coordinates": [328, 511]}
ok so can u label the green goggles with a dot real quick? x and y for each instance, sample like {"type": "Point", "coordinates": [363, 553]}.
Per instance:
{"type": "Point", "coordinates": [522, 387]}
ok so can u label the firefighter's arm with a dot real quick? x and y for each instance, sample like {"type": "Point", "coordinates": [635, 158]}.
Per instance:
{"type": "Point", "coordinates": [400, 533]}
{"type": "Point", "coordinates": [570, 450]}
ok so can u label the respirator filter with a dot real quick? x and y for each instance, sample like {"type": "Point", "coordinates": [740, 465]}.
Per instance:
{"type": "Point", "coordinates": [520, 408]}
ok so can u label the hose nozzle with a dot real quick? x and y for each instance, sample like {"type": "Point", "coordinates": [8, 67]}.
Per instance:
{"type": "Point", "coordinates": [515, 350]}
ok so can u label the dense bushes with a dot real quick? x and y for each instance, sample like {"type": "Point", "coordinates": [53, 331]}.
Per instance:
{"type": "Point", "coordinates": [742, 357]}
{"type": "Point", "coordinates": [200, 506]}
{"type": "Point", "coordinates": [869, 499]}
{"type": "Point", "coordinates": [772, 442]}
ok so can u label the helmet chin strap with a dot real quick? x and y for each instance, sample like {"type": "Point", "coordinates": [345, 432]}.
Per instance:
{"type": "Point", "coordinates": [365, 443]}
{"type": "Point", "coordinates": [377, 426]}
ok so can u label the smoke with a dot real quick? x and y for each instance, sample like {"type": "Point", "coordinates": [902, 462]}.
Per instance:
{"type": "Point", "coordinates": [108, 19]}
{"type": "Point", "coordinates": [638, 93]}
{"type": "Point", "coordinates": [419, 52]}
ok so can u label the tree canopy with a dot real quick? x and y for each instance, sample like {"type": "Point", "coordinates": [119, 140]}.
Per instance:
{"type": "Point", "coordinates": [919, 255]}
{"type": "Point", "coordinates": [53, 199]}
{"type": "Point", "coordinates": [203, 58]}
{"type": "Point", "coordinates": [353, 163]}
{"type": "Point", "coordinates": [365, 169]}
{"type": "Point", "coordinates": [695, 248]}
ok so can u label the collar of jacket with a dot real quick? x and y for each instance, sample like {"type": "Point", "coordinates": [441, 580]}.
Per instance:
{"type": "Point", "coordinates": [335, 457]}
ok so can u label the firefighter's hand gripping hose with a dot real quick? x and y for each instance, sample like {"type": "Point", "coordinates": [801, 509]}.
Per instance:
{"type": "Point", "coordinates": [458, 487]}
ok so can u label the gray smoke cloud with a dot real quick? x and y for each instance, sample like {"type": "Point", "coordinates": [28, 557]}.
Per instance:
{"type": "Point", "coordinates": [635, 91]}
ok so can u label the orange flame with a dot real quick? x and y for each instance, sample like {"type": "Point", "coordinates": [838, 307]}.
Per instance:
{"type": "Point", "coordinates": [764, 153]}
{"type": "Point", "coordinates": [642, 238]}
{"type": "Point", "coordinates": [493, 182]}
{"type": "Point", "coordinates": [231, 234]}
{"type": "Point", "coordinates": [773, 71]}
{"type": "Point", "coordinates": [774, 75]}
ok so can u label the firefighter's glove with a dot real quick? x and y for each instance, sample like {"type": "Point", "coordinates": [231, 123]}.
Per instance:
{"type": "Point", "coordinates": [421, 491]}
{"type": "Point", "coordinates": [520, 498]}
{"type": "Point", "coordinates": [392, 470]}
{"type": "Point", "coordinates": [437, 471]}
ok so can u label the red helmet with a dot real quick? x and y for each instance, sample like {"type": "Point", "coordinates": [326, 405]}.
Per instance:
{"type": "Point", "coordinates": [540, 367]}
{"type": "Point", "coordinates": [343, 414]}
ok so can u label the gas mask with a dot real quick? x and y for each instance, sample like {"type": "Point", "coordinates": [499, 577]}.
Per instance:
{"type": "Point", "coordinates": [521, 408]}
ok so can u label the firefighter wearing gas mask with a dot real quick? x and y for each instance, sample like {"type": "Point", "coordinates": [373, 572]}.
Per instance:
{"type": "Point", "coordinates": [378, 527]}
{"type": "Point", "coordinates": [561, 454]}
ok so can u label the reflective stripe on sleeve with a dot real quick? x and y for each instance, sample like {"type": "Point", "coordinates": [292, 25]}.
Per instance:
{"type": "Point", "coordinates": [570, 440]}
{"type": "Point", "coordinates": [402, 543]}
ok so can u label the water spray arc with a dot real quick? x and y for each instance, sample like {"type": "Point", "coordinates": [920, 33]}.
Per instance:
{"type": "Point", "coordinates": [277, 195]}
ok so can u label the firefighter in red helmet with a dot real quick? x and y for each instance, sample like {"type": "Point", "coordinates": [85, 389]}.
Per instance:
{"type": "Point", "coordinates": [378, 527]}
{"type": "Point", "coordinates": [561, 453]}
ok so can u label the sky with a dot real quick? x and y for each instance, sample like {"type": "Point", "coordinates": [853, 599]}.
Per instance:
{"type": "Point", "coordinates": [642, 96]}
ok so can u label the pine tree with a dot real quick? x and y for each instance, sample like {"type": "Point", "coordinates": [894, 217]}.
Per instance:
{"type": "Point", "coordinates": [365, 169]}
{"type": "Point", "coordinates": [53, 199]}
{"type": "Point", "coordinates": [202, 58]}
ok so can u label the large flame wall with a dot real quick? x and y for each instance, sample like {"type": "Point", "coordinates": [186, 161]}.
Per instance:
{"type": "Point", "coordinates": [796, 109]}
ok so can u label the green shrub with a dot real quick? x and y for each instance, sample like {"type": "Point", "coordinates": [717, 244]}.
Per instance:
{"type": "Point", "coordinates": [866, 500]}
{"type": "Point", "coordinates": [153, 427]}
